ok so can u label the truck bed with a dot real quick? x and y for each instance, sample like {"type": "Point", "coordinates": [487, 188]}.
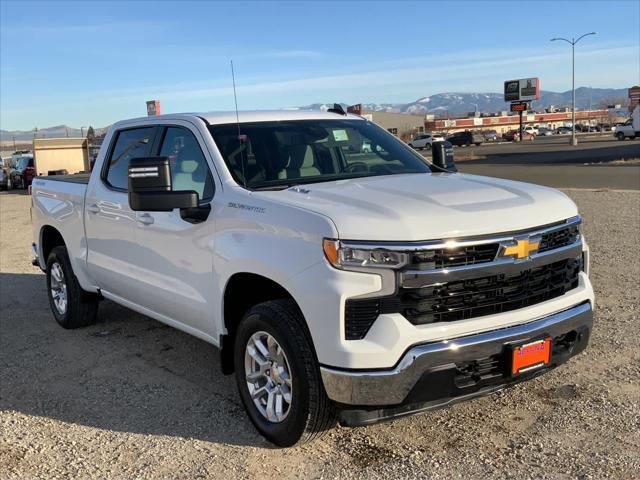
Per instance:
{"type": "Point", "coordinates": [82, 178]}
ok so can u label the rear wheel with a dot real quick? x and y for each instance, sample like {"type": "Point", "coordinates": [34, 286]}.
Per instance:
{"type": "Point", "coordinates": [72, 307]}
{"type": "Point", "coordinates": [278, 375]}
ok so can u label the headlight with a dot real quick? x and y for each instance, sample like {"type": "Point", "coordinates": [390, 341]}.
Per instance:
{"type": "Point", "coordinates": [344, 255]}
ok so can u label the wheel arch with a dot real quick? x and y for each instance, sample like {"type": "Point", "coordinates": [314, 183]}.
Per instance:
{"type": "Point", "coordinates": [242, 291]}
{"type": "Point", "coordinates": [50, 237]}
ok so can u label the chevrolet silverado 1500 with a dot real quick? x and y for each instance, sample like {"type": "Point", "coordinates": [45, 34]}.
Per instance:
{"type": "Point", "coordinates": [342, 276]}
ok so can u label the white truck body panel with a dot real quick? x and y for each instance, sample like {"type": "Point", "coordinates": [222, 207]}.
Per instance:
{"type": "Point", "coordinates": [177, 272]}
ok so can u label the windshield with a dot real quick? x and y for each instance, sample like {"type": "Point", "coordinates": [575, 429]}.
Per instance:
{"type": "Point", "coordinates": [23, 163]}
{"type": "Point", "coordinates": [279, 154]}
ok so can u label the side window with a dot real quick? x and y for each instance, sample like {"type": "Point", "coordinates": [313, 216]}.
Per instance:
{"type": "Point", "coordinates": [189, 169]}
{"type": "Point", "coordinates": [129, 144]}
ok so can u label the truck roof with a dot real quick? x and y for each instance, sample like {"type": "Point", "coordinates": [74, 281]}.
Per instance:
{"type": "Point", "coordinates": [217, 118]}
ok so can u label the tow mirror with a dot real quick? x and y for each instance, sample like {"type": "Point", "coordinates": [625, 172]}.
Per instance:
{"type": "Point", "coordinates": [442, 156]}
{"type": "Point", "coordinates": [150, 187]}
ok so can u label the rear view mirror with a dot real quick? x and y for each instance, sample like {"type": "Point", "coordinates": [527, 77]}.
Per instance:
{"type": "Point", "coordinates": [150, 187]}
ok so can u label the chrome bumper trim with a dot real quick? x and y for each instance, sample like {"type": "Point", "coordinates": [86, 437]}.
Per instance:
{"type": "Point", "coordinates": [391, 387]}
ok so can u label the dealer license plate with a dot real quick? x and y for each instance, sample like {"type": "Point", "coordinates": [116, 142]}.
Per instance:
{"type": "Point", "coordinates": [531, 356]}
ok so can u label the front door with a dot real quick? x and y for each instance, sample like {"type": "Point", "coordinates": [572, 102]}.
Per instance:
{"type": "Point", "coordinates": [109, 222]}
{"type": "Point", "coordinates": [175, 256]}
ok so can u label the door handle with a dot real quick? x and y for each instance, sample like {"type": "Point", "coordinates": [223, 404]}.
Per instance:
{"type": "Point", "coordinates": [145, 219]}
{"type": "Point", "coordinates": [93, 208]}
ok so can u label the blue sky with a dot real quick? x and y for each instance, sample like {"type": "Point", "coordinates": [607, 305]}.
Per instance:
{"type": "Point", "coordinates": [92, 63]}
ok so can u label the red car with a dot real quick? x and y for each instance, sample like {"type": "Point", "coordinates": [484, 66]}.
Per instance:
{"type": "Point", "coordinates": [514, 136]}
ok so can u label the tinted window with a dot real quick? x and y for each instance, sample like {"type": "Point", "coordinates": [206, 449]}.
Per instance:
{"type": "Point", "coordinates": [268, 154]}
{"type": "Point", "coordinates": [189, 169]}
{"type": "Point", "coordinates": [129, 144]}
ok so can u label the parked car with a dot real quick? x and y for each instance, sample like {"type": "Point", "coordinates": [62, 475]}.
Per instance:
{"type": "Point", "coordinates": [514, 136]}
{"type": "Point", "coordinates": [531, 130]}
{"type": "Point", "coordinates": [630, 128]}
{"type": "Point", "coordinates": [545, 132]}
{"type": "Point", "coordinates": [5, 180]}
{"type": "Point", "coordinates": [352, 287]}
{"type": "Point", "coordinates": [490, 136]}
{"type": "Point", "coordinates": [461, 139]}
{"type": "Point", "coordinates": [22, 175]}
{"type": "Point", "coordinates": [563, 130]}
{"type": "Point", "coordinates": [425, 140]}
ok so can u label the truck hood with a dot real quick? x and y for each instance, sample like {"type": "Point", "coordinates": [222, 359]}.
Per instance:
{"type": "Point", "coordinates": [416, 207]}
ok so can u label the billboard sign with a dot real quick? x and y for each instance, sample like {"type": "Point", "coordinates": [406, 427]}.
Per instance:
{"type": "Point", "coordinates": [519, 106]}
{"type": "Point", "coordinates": [357, 109]}
{"type": "Point", "coordinates": [522, 90]}
{"type": "Point", "coordinates": [153, 108]}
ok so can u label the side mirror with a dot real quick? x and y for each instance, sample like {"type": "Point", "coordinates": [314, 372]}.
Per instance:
{"type": "Point", "coordinates": [442, 156]}
{"type": "Point", "coordinates": [150, 187]}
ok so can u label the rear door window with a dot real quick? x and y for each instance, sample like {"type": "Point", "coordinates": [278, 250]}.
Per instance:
{"type": "Point", "coordinates": [133, 143]}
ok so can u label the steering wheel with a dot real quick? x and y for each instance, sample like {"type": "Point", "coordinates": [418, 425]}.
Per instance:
{"type": "Point", "coordinates": [356, 167]}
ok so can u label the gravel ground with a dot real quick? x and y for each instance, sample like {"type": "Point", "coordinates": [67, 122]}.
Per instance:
{"type": "Point", "coordinates": [131, 398]}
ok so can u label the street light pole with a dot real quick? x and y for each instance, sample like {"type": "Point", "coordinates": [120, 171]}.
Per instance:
{"type": "Point", "coordinates": [573, 42]}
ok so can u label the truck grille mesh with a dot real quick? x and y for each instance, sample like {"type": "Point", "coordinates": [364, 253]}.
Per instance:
{"type": "Point", "coordinates": [454, 257]}
{"type": "Point", "coordinates": [465, 299]}
{"type": "Point", "coordinates": [559, 238]}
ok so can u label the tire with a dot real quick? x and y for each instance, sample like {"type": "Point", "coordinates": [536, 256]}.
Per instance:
{"type": "Point", "coordinates": [620, 136]}
{"type": "Point", "coordinates": [310, 413]}
{"type": "Point", "coordinates": [428, 146]}
{"type": "Point", "coordinates": [81, 306]}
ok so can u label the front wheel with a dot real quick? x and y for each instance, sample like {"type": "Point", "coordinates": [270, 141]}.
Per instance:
{"type": "Point", "coordinates": [620, 136]}
{"type": "Point", "coordinates": [278, 375]}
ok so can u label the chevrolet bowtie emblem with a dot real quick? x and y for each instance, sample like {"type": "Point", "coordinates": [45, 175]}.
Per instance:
{"type": "Point", "coordinates": [522, 249]}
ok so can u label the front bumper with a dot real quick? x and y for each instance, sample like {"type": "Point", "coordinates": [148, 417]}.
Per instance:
{"type": "Point", "coordinates": [437, 374]}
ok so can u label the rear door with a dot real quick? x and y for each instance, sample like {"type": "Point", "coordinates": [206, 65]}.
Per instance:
{"type": "Point", "coordinates": [109, 222]}
{"type": "Point", "coordinates": [175, 254]}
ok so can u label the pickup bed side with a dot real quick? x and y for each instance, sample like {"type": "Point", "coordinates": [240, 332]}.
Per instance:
{"type": "Point", "coordinates": [58, 210]}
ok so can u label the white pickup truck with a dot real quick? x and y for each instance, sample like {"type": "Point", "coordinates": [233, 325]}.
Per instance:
{"type": "Point", "coordinates": [342, 276]}
{"type": "Point", "coordinates": [629, 129]}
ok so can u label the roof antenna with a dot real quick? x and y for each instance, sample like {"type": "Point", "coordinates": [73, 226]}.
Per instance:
{"type": "Point", "coordinates": [235, 99]}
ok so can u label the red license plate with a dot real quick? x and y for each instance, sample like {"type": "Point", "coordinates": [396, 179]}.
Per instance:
{"type": "Point", "coordinates": [530, 356]}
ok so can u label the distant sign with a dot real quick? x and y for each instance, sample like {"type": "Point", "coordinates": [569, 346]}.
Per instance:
{"type": "Point", "coordinates": [522, 90]}
{"type": "Point", "coordinates": [357, 109]}
{"type": "Point", "coordinates": [153, 108]}
{"type": "Point", "coordinates": [519, 106]}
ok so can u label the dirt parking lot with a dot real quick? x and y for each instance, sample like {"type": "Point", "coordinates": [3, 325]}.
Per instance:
{"type": "Point", "coordinates": [131, 398]}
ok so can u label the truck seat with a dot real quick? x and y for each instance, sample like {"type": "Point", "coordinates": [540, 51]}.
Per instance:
{"type": "Point", "coordinates": [300, 162]}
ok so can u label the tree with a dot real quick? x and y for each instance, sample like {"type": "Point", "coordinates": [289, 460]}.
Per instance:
{"type": "Point", "coordinates": [91, 134]}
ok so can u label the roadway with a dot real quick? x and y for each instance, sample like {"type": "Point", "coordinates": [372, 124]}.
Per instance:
{"type": "Point", "coordinates": [598, 162]}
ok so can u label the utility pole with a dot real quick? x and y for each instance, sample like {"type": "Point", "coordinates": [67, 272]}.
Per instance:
{"type": "Point", "coordinates": [82, 132]}
{"type": "Point", "coordinates": [14, 143]}
{"type": "Point", "coordinates": [573, 42]}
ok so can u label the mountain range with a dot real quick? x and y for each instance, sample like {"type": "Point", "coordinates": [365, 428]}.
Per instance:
{"type": "Point", "coordinates": [441, 104]}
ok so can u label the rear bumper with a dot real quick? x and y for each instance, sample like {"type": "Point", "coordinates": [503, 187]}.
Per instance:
{"type": "Point", "coordinates": [437, 374]}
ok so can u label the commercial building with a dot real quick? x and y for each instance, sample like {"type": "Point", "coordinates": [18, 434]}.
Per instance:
{"type": "Point", "coordinates": [634, 98]}
{"type": "Point", "coordinates": [502, 123]}
{"type": "Point", "coordinates": [53, 154]}
{"type": "Point", "coordinates": [402, 125]}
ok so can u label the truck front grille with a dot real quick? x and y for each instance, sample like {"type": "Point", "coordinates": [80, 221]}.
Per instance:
{"type": "Point", "coordinates": [559, 238]}
{"type": "Point", "coordinates": [454, 257]}
{"type": "Point", "coordinates": [466, 299]}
